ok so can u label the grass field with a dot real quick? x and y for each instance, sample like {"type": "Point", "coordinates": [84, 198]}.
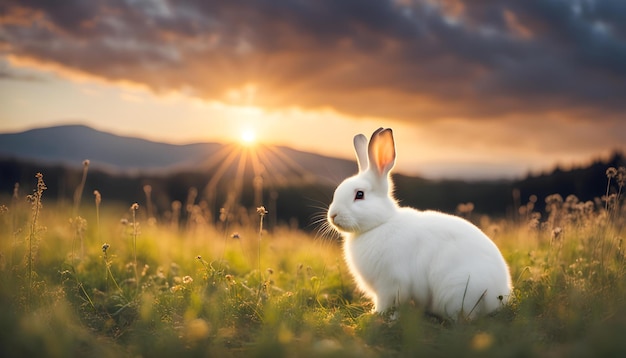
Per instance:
{"type": "Point", "coordinates": [108, 280]}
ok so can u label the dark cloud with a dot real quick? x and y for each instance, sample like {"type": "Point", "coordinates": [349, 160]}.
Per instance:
{"type": "Point", "coordinates": [404, 59]}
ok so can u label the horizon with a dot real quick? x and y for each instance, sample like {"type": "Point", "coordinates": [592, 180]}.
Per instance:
{"type": "Point", "coordinates": [248, 142]}
{"type": "Point", "coordinates": [472, 91]}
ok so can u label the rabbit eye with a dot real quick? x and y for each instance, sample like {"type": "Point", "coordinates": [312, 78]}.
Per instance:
{"type": "Point", "coordinates": [360, 195]}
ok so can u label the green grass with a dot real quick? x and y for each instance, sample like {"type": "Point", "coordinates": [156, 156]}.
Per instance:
{"type": "Point", "coordinates": [199, 290]}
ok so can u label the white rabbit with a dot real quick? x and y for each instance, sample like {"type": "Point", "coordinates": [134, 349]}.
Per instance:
{"type": "Point", "coordinates": [397, 254]}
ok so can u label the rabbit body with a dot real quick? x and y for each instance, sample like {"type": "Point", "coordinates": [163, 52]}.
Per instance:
{"type": "Point", "coordinates": [397, 254]}
{"type": "Point", "coordinates": [442, 262]}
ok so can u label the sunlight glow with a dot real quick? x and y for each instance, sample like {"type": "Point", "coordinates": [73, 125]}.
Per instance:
{"type": "Point", "coordinates": [248, 137]}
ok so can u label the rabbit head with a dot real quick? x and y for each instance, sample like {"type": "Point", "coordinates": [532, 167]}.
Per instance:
{"type": "Point", "coordinates": [365, 200]}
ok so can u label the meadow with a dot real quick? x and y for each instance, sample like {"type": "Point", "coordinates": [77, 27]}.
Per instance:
{"type": "Point", "coordinates": [102, 279]}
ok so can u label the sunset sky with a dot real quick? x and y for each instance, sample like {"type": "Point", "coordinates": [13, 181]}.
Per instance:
{"type": "Point", "coordinates": [472, 89]}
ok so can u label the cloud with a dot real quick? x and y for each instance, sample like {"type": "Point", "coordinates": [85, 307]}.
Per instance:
{"type": "Point", "coordinates": [12, 74]}
{"type": "Point", "coordinates": [412, 60]}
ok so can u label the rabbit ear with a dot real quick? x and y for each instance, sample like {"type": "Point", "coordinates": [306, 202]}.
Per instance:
{"type": "Point", "coordinates": [382, 151]}
{"type": "Point", "coordinates": [360, 147]}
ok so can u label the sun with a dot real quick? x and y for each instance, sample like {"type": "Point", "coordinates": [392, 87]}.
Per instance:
{"type": "Point", "coordinates": [248, 137]}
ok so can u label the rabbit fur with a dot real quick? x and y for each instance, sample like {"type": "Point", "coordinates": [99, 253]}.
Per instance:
{"type": "Point", "coordinates": [442, 262]}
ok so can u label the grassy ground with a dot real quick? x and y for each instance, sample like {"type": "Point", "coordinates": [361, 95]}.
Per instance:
{"type": "Point", "coordinates": [108, 281]}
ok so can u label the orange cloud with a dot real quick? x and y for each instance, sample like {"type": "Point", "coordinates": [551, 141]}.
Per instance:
{"type": "Point", "coordinates": [407, 60]}
{"type": "Point", "coordinates": [516, 27]}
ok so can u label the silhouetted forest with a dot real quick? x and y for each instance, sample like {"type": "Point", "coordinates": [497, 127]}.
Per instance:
{"type": "Point", "coordinates": [300, 202]}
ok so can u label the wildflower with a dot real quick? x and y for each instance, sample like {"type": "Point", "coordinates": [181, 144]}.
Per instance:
{"type": "Point", "coordinates": [235, 235]}
{"type": "Point", "coordinates": [124, 222]}
{"type": "Point", "coordinates": [41, 186]}
{"type": "Point", "coordinates": [554, 200]}
{"type": "Point", "coordinates": [86, 162]}
{"type": "Point", "coordinates": [160, 273]}
{"type": "Point", "coordinates": [105, 247]}
{"type": "Point", "coordinates": [621, 176]}
{"type": "Point", "coordinates": [571, 200]}
{"type": "Point", "coordinates": [270, 271]}
{"type": "Point", "coordinates": [198, 257]}
{"type": "Point", "coordinates": [135, 206]}
{"type": "Point", "coordinates": [187, 280]}
{"type": "Point", "coordinates": [556, 232]}
{"type": "Point", "coordinates": [98, 197]}
{"type": "Point", "coordinates": [261, 211]}
{"type": "Point", "coordinates": [609, 200]}
{"type": "Point", "coordinates": [611, 172]}
{"type": "Point", "coordinates": [534, 222]}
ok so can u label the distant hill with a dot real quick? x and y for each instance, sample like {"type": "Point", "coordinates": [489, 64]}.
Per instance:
{"type": "Point", "coordinates": [69, 145]}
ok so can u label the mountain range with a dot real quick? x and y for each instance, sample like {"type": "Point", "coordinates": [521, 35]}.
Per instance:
{"type": "Point", "coordinates": [70, 145]}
